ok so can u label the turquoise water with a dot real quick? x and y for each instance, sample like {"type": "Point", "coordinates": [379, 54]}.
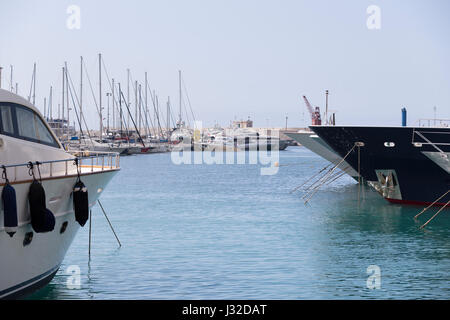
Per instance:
{"type": "Point", "coordinates": [226, 232]}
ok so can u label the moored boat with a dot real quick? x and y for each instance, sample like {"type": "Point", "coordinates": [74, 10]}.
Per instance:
{"type": "Point", "coordinates": [32, 154]}
{"type": "Point", "coordinates": [397, 161]}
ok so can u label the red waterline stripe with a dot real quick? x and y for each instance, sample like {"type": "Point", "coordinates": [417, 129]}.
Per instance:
{"type": "Point", "coordinates": [413, 202]}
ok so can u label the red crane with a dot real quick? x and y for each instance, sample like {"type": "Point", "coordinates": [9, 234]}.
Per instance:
{"type": "Point", "coordinates": [315, 114]}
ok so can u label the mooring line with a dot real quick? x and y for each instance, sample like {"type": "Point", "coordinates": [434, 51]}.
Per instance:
{"type": "Point", "coordinates": [319, 180]}
{"type": "Point", "coordinates": [315, 175]}
{"type": "Point", "coordinates": [322, 180]}
{"type": "Point", "coordinates": [110, 225]}
{"type": "Point", "coordinates": [314, 191]}
{"type": "Point", "coordinates": [417, 215]}
{"type": "Point", "coordinates": [340, 174]}
{"type": "Point", "coordinates": [423, 226]}
{"type": "Point", "coordinates": [90, 228]}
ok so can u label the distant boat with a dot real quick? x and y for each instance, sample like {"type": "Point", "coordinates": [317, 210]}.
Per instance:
{"type": "Point", "coordinates": [236, 140]}
{"type": "Point", "coordinates": [96, 145]}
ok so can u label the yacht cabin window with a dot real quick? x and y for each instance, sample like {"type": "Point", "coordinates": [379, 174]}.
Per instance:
{"type": "Point", "coordinates": [7, 119]}
{"type": "Point", "coordinates": [23, 123]}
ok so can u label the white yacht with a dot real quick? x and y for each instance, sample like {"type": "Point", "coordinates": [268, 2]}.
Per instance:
{"type": "Point", "coordinates": [87, 144]}
{"type": "Point", "coordinates": [30, 152]}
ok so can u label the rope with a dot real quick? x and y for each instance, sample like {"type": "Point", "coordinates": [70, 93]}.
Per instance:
{"type": "Point", "coordinates": [187, 96]}
{"type": "Point", "coordinates": [417, 215]}
{"type": "Point", "coordinates": [78, 169]}
{"type": "Point", "coordinates": [4, 174]}
{"type": "Point", "coordinates": [324, 180]}
{"type": "Point", "coordinates": [109, 222]}
{"type": "Point", "coordinates": [122, 121]}
{"type": "Point", "coordinates": [315, 175]}
{"type": "Point", "coordinates": [30, 170]}
{"type": "Point", "coordinates": [424, 225]}
{"type": "Point", "coordinates": [92, 90]}
{"type": "Point", "coordinates": [82, 118]}
{"type": "Point", "coordinates": [336, 177]}
{"type": "Point", "coordinates": [39, 170]}
{"type": "Point", "coordinates": [314, 191]}
{"type": "Point", "coordinates": [318, 181]}
{"type": "Point", "coordinates": [131, 117]}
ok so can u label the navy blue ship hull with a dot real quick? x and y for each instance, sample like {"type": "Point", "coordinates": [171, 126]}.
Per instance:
{"type": "Point", "coordinates": [394, 159]}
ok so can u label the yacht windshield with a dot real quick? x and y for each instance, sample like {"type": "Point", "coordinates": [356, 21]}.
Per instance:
{"type": "Point", "coordinates": [23, 123]}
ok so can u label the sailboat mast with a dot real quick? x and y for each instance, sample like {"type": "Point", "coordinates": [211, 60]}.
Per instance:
{"type": "Point", "coordinates": [168, 118]}
{"type": "Point", "coordinates": [113, 106]}
{"type": "Point", "coordinates": [179, 84]}
{"type": "Point", "coordinates": [50, 104]}
{"type": "Point", "coordinates": [67, 101]}
{"type": "Point", "coordinates": [120, 107]}
{"type": "Point", "coordinates": [63, 88]}
{"type": "Point", "coordinates": [146, 104]}
{"type": "Point", "coordinates": [11, 84]}
{"type": "Point", "coordinates": [34, 84]}
{"type": "Point", "coordinates": [136, 102]}
{"type": "Point", "coordinates": [81, 89]}
{"type": "Point", "coordinates": [140, 105]}
{"type": "Point", "coordinates": [128, 97]}
{"type": "Point", "coordinates": [100, 93]}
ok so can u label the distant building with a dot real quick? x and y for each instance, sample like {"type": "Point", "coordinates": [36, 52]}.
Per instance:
{"type": "Point", "coordinates": [61, 127]}
{"type": "Point", "coordinates": [242, 124]}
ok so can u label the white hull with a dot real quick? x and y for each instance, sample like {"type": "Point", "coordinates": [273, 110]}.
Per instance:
{"type": "Point", "coordinates": [98, 147]}
{"type": "Point", "coordinates": [230, 146]}
{"type": "Point", "coordinates": [312, 142]}
{"type": "Point", "coordinates": [21, 266]}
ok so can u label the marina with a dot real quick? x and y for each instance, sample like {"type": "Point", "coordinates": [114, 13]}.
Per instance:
{"type": "Point", "coordinates": [243, 235]}
{"type": "Point", "coordinates": [193, 159]}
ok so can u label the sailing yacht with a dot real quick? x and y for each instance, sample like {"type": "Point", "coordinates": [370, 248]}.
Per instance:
{"type": "Point", "coordinates": [30, 152]}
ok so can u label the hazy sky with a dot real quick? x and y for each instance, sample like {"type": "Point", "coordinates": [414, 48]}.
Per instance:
{"type": "Point", "coordinates": [244, 58]}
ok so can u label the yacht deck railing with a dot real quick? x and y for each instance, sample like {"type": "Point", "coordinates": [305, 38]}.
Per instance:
{"type": "Point", "coordinates": [433, 123]}
{"type": "Point", "coordinates": [83, 162]}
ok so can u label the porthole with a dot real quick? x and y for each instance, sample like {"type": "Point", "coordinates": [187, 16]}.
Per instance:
{"type": "Point", "coordinates": [63, 227]}
{"type": "Point", "coordinates": [389, 144]}
{"type": "Point", "coordinates": [28, 238]}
